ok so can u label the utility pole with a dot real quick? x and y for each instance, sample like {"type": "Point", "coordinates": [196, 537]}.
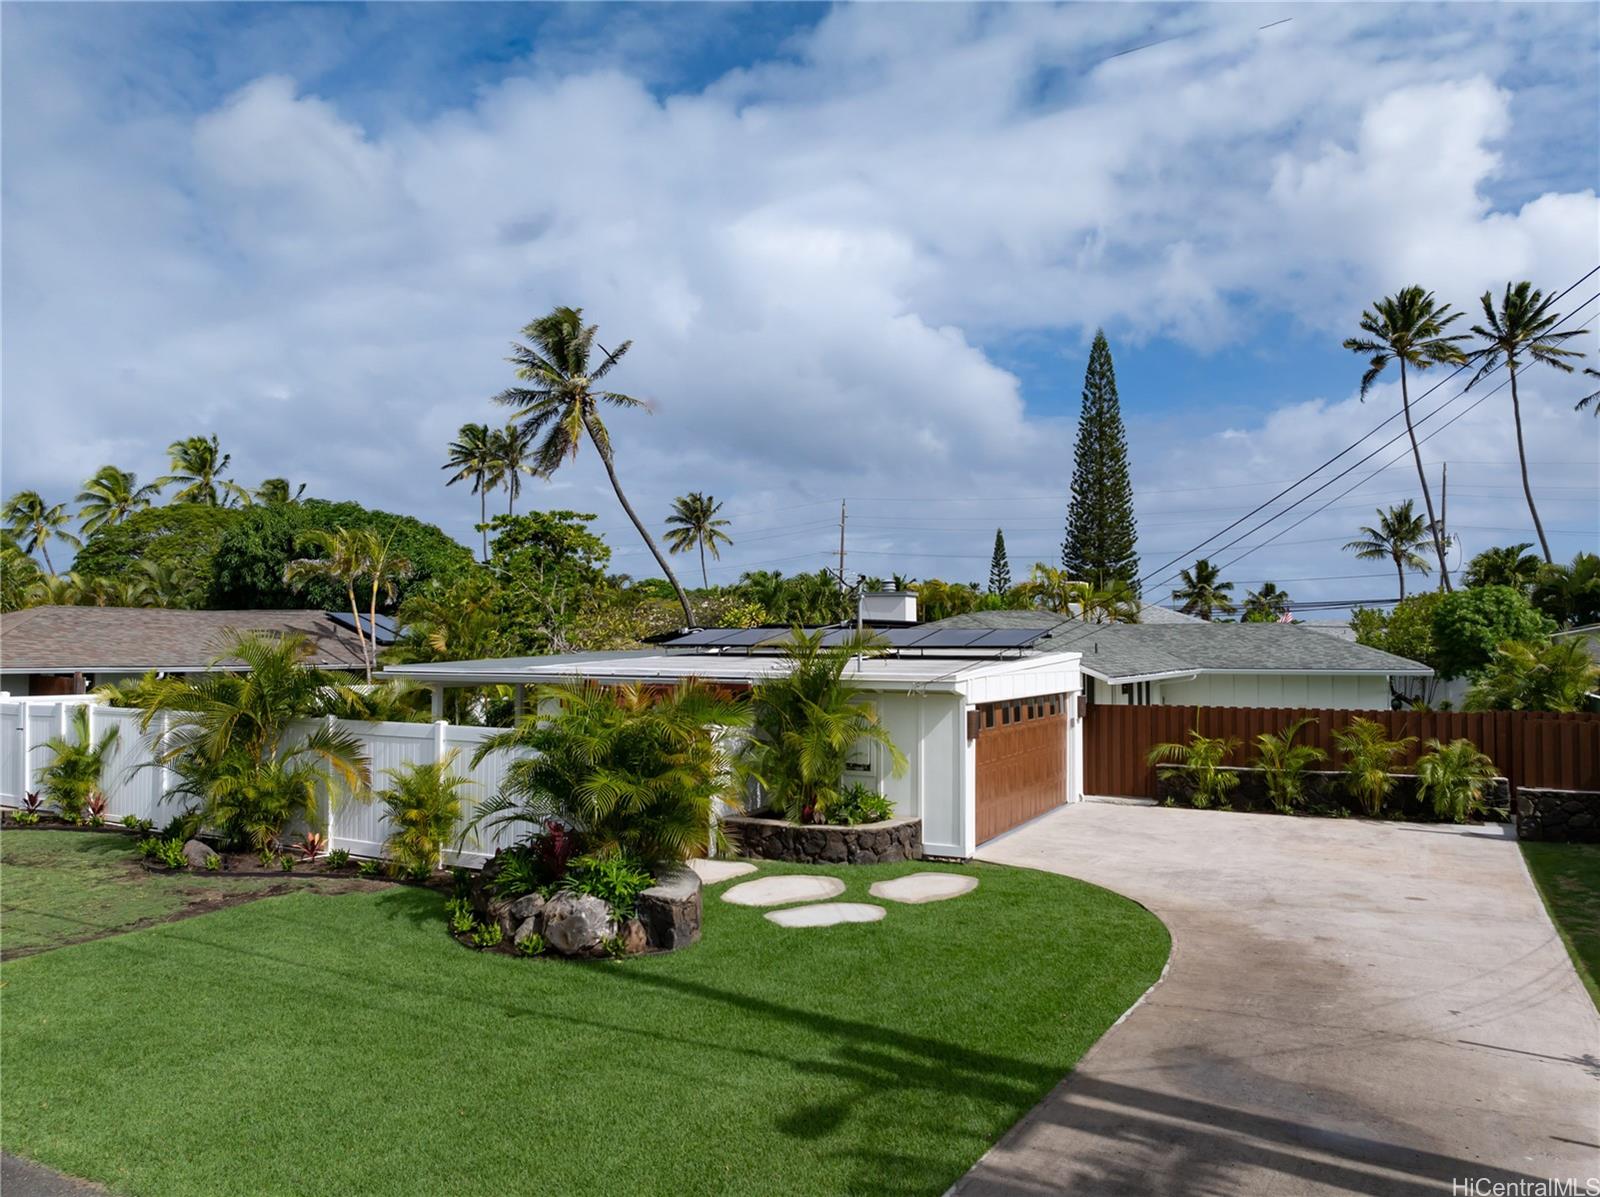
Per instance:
{"type": "Point", "coordinates": [841, 544]}
{"type": "Point", "coordinates": [1444, 507]}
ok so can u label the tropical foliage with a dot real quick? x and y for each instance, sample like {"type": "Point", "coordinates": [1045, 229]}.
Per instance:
{"type": "Point", "coordinates": [73, 777]}
{"type": "Point", "coordinates": [473, 458]}
{"type": "Point", "coordinates": [234, 750]}
{"type": "Point", "coordinates": [1541, 675]}
{"type": "Point", "coordinates": [632, 771]}
{"type": "Point", "coordinates": [694, 523]}
{"type": "Point", "coordinates": [1201, 761]}
{"type": "Point", "coordinates": [1410, 328]}
{"type": "Point", "coordinates": [111, 496]}
{"type": "Point", "coordinates": [1570, 594]}
{"type": "Point", "coordinates": [1468, 625]}
{"type": "Point", "coordinates": [1201, 591]}
{"type": "Point", "coordinates": [33, 524]}
{"type": "Point", "coordinates": [359, 559]}
{"type": "Point", "coordinates": [1369, 757]}
{"type": "Point", "coordinates": [424, 805]}
{"type": "Point", "coordinates": [1452, 778]}
{"type": "Point", "coordinates": [1508, 565]}
{"type": "Point", "coordinates": [805, 722]}
{"type": "Point", "coordinates": [198, 466]}
{"type": "Point", "coordinates": [1267, 605]}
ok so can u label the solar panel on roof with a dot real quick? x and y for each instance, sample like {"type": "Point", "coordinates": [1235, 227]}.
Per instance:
{"type": "Point", "coordinates": [953, 638]}
{"type": "Point", "coordinates": [1014, 637]}
{"type": "Point", "coordinates": [385, 625]}
{"type": "Point", "coordinates": [907, 637]}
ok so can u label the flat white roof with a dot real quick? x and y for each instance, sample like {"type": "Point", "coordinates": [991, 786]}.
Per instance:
{"type": "Point", "coordinates": [875, 673]}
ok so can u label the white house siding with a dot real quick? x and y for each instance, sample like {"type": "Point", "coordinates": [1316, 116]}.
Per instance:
{"type": "Point", "coordinates": [928, 728]}
{"type": "Point", "coordinates": [1326, 690]}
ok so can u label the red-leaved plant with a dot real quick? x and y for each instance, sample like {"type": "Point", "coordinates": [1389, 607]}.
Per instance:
{"type": "Point", "coordinates": [32, 802]}
{"type": "Point", "coordinates": [312, 846]}
{"type": "Point", "coordinates": [556, 848]}
{"type": "Point", "coordinates": [94, 809]}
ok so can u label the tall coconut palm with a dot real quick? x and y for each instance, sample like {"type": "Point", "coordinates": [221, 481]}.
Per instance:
{"type": "Point", "coordinates": [198, 464]}
{"type": "Point", "coordinates": [1592, 396]}
{"type": "Point", "coordinates": [34, 524]}
{"type": "Point", "coordinates": [1409, 328]}
{"type": "Point", "coordinates": [111, 496]}
{"type": "Point", "coordinates": [1522, 330]}
{"type": "Point", "coordinates": [275, 492]}
{"type": "Point", "coordinates": [1398, 536]}
{"type": "Point", "coordinates": [561, 405]}
{"type": "Point", "coordinates": [475, 458]}
{"type": "Point", "coordinates": [1201, 593]}
{"type": "Point", "coordinates": [1267, 605]}
{"type": "Point", "coordinates": [350, 555]}
{"type": "Point", "coordinates": [510, 447]}
{"type": "Point", "coordinates": [694, 523]}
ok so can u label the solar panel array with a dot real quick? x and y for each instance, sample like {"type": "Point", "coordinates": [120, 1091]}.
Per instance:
{"type": "Point", "coordinates": [921, 637]}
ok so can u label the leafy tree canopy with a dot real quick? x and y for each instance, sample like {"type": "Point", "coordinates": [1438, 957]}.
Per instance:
{"type": "Point", "coordinates": [181, 540]}
{"type": "Point", "coordinates": [1469, 624]}
{"type": "Point", "coordinates": [1406, 631]}
{"type": "Point", "coordinates": [247, 570]}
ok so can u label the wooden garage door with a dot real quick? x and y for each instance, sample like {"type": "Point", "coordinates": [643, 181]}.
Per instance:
{"type": "Point", "coordinates": [1022, 761]}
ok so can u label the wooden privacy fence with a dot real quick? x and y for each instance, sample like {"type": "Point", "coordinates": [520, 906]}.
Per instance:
{"type": "Point", "coordinates": [1531, 748]}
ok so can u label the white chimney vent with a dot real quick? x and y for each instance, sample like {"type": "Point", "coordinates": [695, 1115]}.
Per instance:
{"type": "Point", "coordinates": [889, 606]}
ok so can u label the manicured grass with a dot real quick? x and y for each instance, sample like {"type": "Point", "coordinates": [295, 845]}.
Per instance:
{"type": "Point", "coordinates": [344, 1044]}
{"type": "Point", "coordinates": [1568, 875]}
{"type": "Point", "coordinates": [64, 886]}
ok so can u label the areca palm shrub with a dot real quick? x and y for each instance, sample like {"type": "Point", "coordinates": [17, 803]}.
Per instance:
{"type": "Point", "coordinates": [1453, 777]}
{"type": "Point", "coordinates": [1201, 762]}
{"type": "Point", "coordinates": [1369, 757]}
{"type": "Point", "coordinates": [235, 750]}
{"type": "Point", "coordinates": [632, 771]}
{"type": "Point", "coordinates": [1283, 764]}
{"type": "Point", "coordinates": [424, 805]}
{"type": "Point", "coordinates": [1548, 675]}
{"type": "Point", "coordinates": [804, 723]}
{"type": "Point", "coordinates": [73, 775]}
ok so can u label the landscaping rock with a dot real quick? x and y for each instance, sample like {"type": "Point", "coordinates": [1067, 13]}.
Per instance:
{"type": "Point", "coordinates": [578, 924]}
{"type": "Point", "coordinates": [789, 887]}
{"type": "Point", "coordinates": [634, 939]}
{"type": "Point", "coordinates": [714, 872]}
{"type": "Point", "coordinates": [916, 888]}
{"type": "Point", "coordinates": [526, 907]}
{"type": "Point", "coordinates": [767, 838]}
{"type": "Point", "coordinates": [1560, 816]}
{"type": "Point", "coordinates": [526, 930]}
{"type": "Point", "coordinates": [669, 910]}
{"type": "Point", "coordinates": [197, 854]}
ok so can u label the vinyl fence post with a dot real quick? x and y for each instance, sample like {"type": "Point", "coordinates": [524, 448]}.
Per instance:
{"type": "Point", "coordinates": [24, 773]}
{"type": "Point", "coordinates": [441, 729]}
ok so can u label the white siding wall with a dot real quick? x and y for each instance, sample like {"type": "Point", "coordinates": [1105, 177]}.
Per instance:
{"type": "Point", "coordinates": [1278, 690]}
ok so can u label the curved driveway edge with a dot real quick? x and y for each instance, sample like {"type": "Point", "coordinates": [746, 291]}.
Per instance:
{"type": "Point", "coordinates": [1350, 1007]}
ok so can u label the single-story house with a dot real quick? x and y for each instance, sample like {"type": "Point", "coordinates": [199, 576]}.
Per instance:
{"type": "Point", "coordinates": [991, 730]}
{"type": "Point", "coordinates": [71, 650]}
{"type": "Point", "coordinates": [1195, 663]}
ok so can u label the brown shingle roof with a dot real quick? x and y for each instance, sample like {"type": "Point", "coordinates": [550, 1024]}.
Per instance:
{"type": "Point", "coordinates": [136, 639]}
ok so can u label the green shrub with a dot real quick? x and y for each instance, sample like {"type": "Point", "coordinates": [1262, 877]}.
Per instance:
{"type": "Point", "coordinates": [487, 935]}
{"type": "Point", "coordinates": [1469, 624]}
{"type": "Point", "coordinates": [533, 945]}
{"type": "Point", "coordinates": [1283, 765]}
{"type": "Point", "coordinates": [169, 853]}
{"type": "Point", "coordinates": [72, 778]}
{"type": "Point", "coordinates": [1201, 762]}
{"type": "Point", "coordinates": [520, 873]}
{"type": "Point", "coordinates": [371, 868]}
{"type": "Point", "coordinates": [338, 859]}
{"type": "Point", "coordinates": [1550, 675]}
{"type": "Point", "coordinates": [1453, 777]}
{"type": "Point", "coordinates": [459, 912]}
{"type": "Point", "coordinates": [424, 804]}
{"type": "Point", "coordinates": [1369, 755]}
{"type": "Point", "coordinates": [614, 879]}
{"type": "Point", "coordinates": [856, 804]}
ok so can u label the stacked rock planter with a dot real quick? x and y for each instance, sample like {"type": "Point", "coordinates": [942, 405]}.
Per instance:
{"type": "Point", "coordinates": [1559, 816]}
{"type": "Point", "coordinates": [766, 838]}
{"type": "Point", "coordinates": [581, 925]}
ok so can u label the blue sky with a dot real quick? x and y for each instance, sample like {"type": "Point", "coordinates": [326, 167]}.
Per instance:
{"type": "Point", "coordinates": [861, 252]}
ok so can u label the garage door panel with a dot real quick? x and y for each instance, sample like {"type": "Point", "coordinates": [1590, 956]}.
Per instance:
{"type": "Point", "coordinates": [1021, 763]}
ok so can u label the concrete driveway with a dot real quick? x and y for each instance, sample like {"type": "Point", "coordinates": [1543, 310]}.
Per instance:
{"type": "Point", "coordinates": [1350, 1007]}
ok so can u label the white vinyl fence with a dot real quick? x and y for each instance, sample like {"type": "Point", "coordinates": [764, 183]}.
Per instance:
{"type": "Point", "coordinates": [135, 785]}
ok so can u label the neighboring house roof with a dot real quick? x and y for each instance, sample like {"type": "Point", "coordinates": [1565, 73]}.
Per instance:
{"type": "Point", "coordinates": [1123, 652]}
{"type": "Point", "coordinates": [1149, 614]}
{"type": "Point", "coordinates": [138, 639]}
{"type": "Point", "coordinates": [1329, 627]}
{"type": "Point", "coordinates": [877, 673]}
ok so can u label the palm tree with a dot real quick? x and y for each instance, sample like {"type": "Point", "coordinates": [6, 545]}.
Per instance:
{"type": "Point", "coordinates": [562, 406]}
{"type": "Point", "coordinates": [1508, 565]}
{"type": "Point", "coordinates": [1590, 372]}
{"type": "Point", "coordinates": [34, 524]}
{"type": "Point", "coordinates": [1570, 594]}
{"type": "Point", "coordinates": [474, 457]}
{"type": "Point", "coordinates": [1524, 326]}
{"type": "Point", "coordinates": [198, 464]}
{"type": "Point", "coordinates": [694, 522]}
{"type": "Point", "coordinates": [349, 555]}
{"type": "Point", "coordinates": [509, 448]}
{"type": "Point", "coordinates": [1398, 536]}
{"type": "Point", "coordinates": [1557, 675]}
{"type": "Point", "coordinates": [111, 496]}
{"type": "Point", "coordinates": [1201, 593]}
{"type": "Point", "coordinates": [1409, 328]}
{"type": "Point", "coordinates": [1267, 605]}
{"type": "Point", "coordinates": [275, 492]}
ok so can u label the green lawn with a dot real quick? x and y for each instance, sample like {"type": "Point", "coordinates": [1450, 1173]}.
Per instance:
{"type": "Point", "coordinates": [344, 1044]}
{"type": "Point", "coordinates": [64, 886]}
{"type": "Point", "coordinates": [1568, 875]}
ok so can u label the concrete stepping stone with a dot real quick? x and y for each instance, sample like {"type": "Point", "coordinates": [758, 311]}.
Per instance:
{"type": "Point", "coordinates": [826, 914]}
{"type": "Point", "coordinates": [714, 872]}
{"type": "Point", "coordinates": [916, 888]}
{"type": "Point", "coordinates": [778, 891]}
